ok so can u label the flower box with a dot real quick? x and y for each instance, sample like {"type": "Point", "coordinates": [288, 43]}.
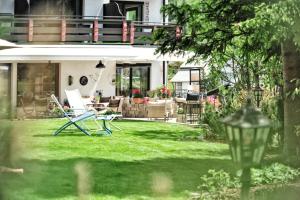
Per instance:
{"type": "Point", "coordinates": [138, 100]}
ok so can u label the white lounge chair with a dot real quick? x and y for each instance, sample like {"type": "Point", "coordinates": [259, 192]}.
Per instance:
{"type": "Point", "coordinates": [73, 120]}
{"type": "Point", "coordinates": [77, 104]}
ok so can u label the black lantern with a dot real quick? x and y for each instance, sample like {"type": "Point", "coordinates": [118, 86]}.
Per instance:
{"type": "Point", "coordinates": [258, 94]}
{"type": "Point", "coordinates": [247, 131]}
{"type": "Point", "coordinates": [100, 65]}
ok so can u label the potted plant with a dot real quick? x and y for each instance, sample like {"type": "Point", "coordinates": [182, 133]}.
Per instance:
{"type": "Point", "coordinates": [137, 96]}
{"type": "Point", "coordinates": [164, 92]}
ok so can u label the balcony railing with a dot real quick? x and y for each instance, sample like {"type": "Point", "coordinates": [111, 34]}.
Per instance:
{"type": "Point", "coordinates": [78, 29]}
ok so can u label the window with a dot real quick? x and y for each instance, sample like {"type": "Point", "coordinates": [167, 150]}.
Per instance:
{"type": "Point", "coordinates": [131, 10]}
{"type": "Point", "coordinates": [48, 7]}
{"type": "Point", "coordinates": [36, 82]}
{"type": "Point", "coordinates": [132, 76]}
{"type": "Point", "coordinates": [4, 90]}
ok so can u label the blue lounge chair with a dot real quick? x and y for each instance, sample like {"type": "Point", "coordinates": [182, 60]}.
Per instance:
{"type": "Point", "coordinates": [77, 105]}
{"type": "Point", "coordinates": [73, 121]}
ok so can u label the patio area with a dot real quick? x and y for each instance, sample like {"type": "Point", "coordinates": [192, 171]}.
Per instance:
{"type": "Point", "coordinates": [129, 164]}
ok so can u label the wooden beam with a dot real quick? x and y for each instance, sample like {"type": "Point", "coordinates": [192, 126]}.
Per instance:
{"type": "Point", "coordinates": [30, 30]}
{"type": "Point", "coordinates": [124, 31]}
{"type": "Point", "coordinates": [178, 32]}
{"type": "Point", "coordinates": [132, 30]}
{"type": "Point", "coordinates": [95, 31]}
{"type": "Point", "coordinates": [63, 30]}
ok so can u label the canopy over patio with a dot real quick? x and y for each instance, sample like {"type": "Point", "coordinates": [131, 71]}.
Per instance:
{"type": "Point", "coordinates": [6, 45]}
{"type": "Point", "coordinates": [85, 52]}
{"type": "Point", "coordinates": [184, 74]}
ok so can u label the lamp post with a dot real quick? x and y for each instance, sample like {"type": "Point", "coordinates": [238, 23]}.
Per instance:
{"type": "Point", "coordinates": [258, 94]}
{"type": "Point", "coordinates": [247, 131]}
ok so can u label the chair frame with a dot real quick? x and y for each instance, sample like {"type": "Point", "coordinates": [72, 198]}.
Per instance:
{"type": "Point", "coordinates": [83, 108]}
{"type": "Point", "coordinates": [72, 121]}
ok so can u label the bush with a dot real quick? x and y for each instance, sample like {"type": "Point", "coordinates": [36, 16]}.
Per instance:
{"type": "Point", "coordinates": [211, 117]}
{"type": "Point", "coordinates": [220, 185]}
{"type": "Point", "coordinates": [216, 185]}
{"type": "Point", "coordinates": [275, 174]}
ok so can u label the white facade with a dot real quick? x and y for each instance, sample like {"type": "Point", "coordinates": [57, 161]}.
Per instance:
{"type": "Point", "coordinates": [76, 69]}
{"type": "Point", "coordinates": [83, 64]}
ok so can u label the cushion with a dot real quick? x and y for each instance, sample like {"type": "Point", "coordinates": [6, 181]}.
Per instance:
{"type": "Point", "coordinates": [114, 102]}
{"type": "Point", "coordinates": [104, 99]}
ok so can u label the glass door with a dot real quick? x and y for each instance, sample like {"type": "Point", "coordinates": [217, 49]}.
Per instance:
{"type": "Point", "coordinates": [140, 79]}
{"type": "Point", "coordinates": [123, 81]}
{"type": "Point", "coordinates": [133, 76]}
{"type": "Point", "coordinates": [5, 90]}
{"type": "Point", "coordinates": [48, 7]}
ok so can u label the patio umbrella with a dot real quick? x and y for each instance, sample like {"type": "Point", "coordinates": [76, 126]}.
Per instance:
{"type": "Point", "coordinates": [6, 45]}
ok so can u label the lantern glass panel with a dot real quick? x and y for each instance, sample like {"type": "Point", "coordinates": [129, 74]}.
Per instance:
{"type": "Point", "coordinates": [232, 143]}
{"type": "Point", "coordinates": [237, 146]}
{"type": "Point", "coordinates": [260, 141]}
{"type": "Point", "coordinates": [247, 145]}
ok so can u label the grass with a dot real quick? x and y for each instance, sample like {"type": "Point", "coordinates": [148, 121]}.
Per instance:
{"type": "Point", "coordinates": [127, 165]}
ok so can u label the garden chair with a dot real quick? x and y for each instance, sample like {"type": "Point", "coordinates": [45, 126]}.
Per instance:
{"type": "Point", "coordinates": [72, 120]}
{"type": "Point", "coordinates": [77, 105]}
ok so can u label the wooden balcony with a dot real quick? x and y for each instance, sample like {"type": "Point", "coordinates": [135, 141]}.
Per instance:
{"type": "Point", "coordinates": [78, 29]}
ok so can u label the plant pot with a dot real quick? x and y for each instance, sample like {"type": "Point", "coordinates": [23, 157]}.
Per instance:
{"type": "Point", "coordinates": [138, 100]}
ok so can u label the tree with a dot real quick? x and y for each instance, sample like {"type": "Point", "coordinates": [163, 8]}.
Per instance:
{"type": "Point", "coordinates": [262, 35]}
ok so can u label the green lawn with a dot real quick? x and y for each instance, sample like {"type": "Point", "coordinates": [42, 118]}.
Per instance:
{"type": "Point", "coordinates": [127, 165]}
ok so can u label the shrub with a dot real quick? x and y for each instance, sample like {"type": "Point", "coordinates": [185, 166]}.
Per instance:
{"type": "Point", "coordinates": [211, 117]}
{"type": "Point", "coordinates": [216, 185]}
{"type": "Point", "coordinates": [220, 185]}
{"type": "Point", "coordinates": [274, 174]}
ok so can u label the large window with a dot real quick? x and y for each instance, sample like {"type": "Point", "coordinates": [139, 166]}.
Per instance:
{"type": "Point", "coordinates": [35, 83]}
{"type": "Point", "coordinates": [132, 76]}
{"type": "Point", "coordinates": [129, 9]}
{"type": "Point", "coordinates": [48, 7]}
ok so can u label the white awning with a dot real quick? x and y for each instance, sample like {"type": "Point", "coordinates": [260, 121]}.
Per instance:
{"type": "Point", "coordinates": [84, 53]}
{"type": "Point", "coordinates": [6, 45]}
{"type": "Point", "coordinates": [181, 76]}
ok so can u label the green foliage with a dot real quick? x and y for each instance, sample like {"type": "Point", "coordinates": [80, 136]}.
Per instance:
{"type": "Point", "coordinates": [111, 112]}
{"type": "Point", "coordinates": [241, 40]}
{"type": "Point", "coordinates": [272, 107]}
{"type": "Point", "coordinates": [231, 100]}
{"type": "Point", "coordinates": [275, 174]}
{"type": "Point", "coordinates": [212, 118]}
{"type": "Point", "coordinates": [217, 185]}
{"type": "Point", "coordinates": [4, 29]}
{"type": "Point", "coordinates": [296, 92]}
{"type": "Point", "coordinates": [173, 69]}
{"type": "Point", "coordinates": [220, 185]}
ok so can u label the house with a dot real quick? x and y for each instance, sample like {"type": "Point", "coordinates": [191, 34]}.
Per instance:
{"type": "Point", "coordinates": [60, 43]}
{"type": "Point", "coordinates": [190, 77]}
